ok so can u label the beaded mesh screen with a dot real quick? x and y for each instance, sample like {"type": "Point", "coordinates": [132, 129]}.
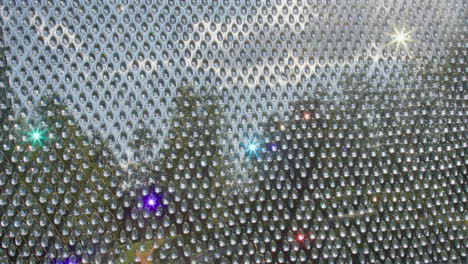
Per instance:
{"type": "Point", "coordinates": [263, 131]}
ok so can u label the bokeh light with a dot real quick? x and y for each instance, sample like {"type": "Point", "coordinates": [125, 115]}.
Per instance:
{"type": "Point", "coordinates": [70, 260]}
{"type": "Point", "coordinates": [273, 147]}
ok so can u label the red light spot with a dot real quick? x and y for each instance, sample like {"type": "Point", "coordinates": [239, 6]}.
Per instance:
{"type": "Point", "coordinates": [307, 116]}
{"type": "Point", "coordinates": [300, 238]}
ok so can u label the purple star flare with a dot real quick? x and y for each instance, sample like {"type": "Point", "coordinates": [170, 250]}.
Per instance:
{"type": "Point", "coordinates": [152, 201]}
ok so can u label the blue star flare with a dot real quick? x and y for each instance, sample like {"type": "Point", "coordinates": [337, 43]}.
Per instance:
{"type": "Point", "coordinates": [252, 147]}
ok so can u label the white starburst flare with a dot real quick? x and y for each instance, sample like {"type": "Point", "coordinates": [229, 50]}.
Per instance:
{"type": "Point", "coordinates": [401, 38]}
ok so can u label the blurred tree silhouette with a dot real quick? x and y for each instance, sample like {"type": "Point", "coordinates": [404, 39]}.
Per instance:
{"type": "Point", "coordinates": [344, 161]}
{"type": "Point", "coordinates": [193, 175]}
{"type": "Point", "coordinates": [67, 185]}
{"type": "Point", "coordinates": [334, 171]}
